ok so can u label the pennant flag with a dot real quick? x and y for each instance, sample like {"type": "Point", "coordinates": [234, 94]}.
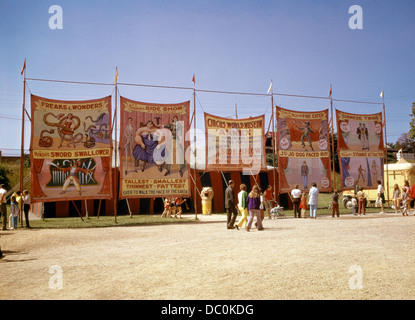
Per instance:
{"type": "Point", "coordinates": [194, 81]}
{"type": "Point", "coordinates": [330, 91]}
{"type": "Point", "coordinates": [116, 75]}
{"type": "Point", "coordinates": [23, 68]}
{"type": "Point", "coordinates": [381, 94]}
{"type": "Point", "coordinates": [270, 87]}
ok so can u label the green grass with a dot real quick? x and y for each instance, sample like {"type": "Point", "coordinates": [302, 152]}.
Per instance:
{"type": "Point", "coordinates": [104, 221]}
{"type": "Point", "coordinates": [142, 220]}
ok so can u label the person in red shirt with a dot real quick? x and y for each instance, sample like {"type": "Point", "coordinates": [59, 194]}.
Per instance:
{"type": "Point", "coordinates": [412, 196]}
{"type": "Point", "coordinates": [268, 196]}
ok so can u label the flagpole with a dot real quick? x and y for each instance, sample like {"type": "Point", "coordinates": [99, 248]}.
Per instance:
{"type": "Point", "coordinates": [194, 140]}
{"type": "Point", "coordinates": [332, 141]}
{"type": "Point", "coordinates": [115, 150]}
{"type": "Point", "coordinates": [273, 147]}
{"type": "Point", "coordinates": [386, 143]}
{"type": "Point", "coordinates": [274, 141]}
{"type": "Point", "coordinates": [22, 141]}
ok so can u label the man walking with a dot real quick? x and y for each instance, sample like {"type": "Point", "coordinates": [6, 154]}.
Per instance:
{"type": "Point", "coordinates": [230, 206]}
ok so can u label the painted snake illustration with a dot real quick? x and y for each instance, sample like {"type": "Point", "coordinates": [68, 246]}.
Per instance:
{"type": "Point", "coordinates": [102, 132]}
{"type": "Point", "coordinates": [45, 141]}
{"type": "Point", "coordinates": [66, 127]}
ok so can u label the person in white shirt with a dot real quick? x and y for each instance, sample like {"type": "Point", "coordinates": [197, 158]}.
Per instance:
{"type": "Point", "coordinates": [26, 206]}
{"type": "Point", "coordinates": [313, 200]}
{"type": "Point", "coordinates": [381, 195]}
{"type": "Point", "coordinates": [296, 198]}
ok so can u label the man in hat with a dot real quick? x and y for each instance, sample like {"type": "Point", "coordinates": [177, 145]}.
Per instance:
{"type": "Point", "coordinates": [230, 206]}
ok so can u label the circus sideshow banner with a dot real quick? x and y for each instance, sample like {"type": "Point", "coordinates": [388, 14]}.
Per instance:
{"type": "Point", "coordinates": [361, 168]}
{"type": "Point", "coordinates": [71, 149]}
{"type": "Point", "coordinates": [153, 148]}
{"type": "Point", "coordinates": [235, 144]}
{"type": "Point", "coordinates": [360, 148]}
{"type": "Point", "coordinates": [303, 150]}
{"type": "Point", "coordinates": [359, 132]}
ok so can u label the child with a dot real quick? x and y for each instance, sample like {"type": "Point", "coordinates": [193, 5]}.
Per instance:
{"type": "Point", "coordinates": [166, 212]}
{"type": "Point", "coordinates": [303, 204]}
{"type": "Point", "coordinates": [179, 202]}
{"type": "Point", "coordinates": [354, 205]}
{"type": "Point", "coordinates": [173, 207]}
{"type": "Point", "coordinates": [335, 204]}
{"type": "Point", "coordinates": [404, 196]}
{"type": "Point", "coordinates": [14, 212]}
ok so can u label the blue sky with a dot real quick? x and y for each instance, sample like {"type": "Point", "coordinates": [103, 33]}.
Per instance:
{"type": "Point", "coordinates": [303, 46]}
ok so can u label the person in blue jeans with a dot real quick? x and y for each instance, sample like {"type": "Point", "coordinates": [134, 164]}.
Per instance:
{"type": "Point", "coordinates": [313, 200]}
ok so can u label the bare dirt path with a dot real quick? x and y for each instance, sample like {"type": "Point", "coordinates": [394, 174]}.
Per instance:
{"type": "Point", "coordinates": [370, 257]}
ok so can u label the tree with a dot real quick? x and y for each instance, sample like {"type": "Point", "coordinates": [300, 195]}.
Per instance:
{"type": "Point", "coordinates": [406, 143]}
{"type": "Point", "coordinates": [3, 176]}
{"type": "Point", "coordinates": [412, 123]}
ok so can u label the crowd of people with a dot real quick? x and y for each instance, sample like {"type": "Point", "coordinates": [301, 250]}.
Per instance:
{"type": "Point", "coordinates": [173, 207]}
{"type": "Point", "coordinates": [19, 203]}
{"type": "Point", "coordinates": [255, 203]}
{"type": "Point", "coordinates": [403, 198]}
{"type": "Point", "coordinates": [250, 205]}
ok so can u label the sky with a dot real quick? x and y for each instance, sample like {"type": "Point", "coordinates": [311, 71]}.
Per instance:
{"type": "Point", "coordinates": [232, 46]}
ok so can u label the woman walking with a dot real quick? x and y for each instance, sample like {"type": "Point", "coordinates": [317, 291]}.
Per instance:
{"type": "Point", "coordinates": [396, 197]}
{"type": "Point", "coordinates": [254, 201]}
{"type": "Point", "coordinates": [242, 206]}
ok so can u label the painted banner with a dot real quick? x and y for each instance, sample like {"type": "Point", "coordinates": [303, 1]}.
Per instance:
{"type": "Point", "coordinates": [71, 149]}
{"type": "Point", "coordinates": [235, 144]}
{"type": "Point", "coordinates": [303, 150]}
{"type": "Point", "coordinates": [360, 149]}
{"type": "Point", "coordinates": [153, 149]}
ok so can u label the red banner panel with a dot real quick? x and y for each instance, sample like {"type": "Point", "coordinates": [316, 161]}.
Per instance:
{"type": "Point", "coordinates": [360, 149]}
{"type": "Point", "coordinates": [303, 150]}
{"type": "Point", "coordinates": [235, 144]}
{"type": "Point", "coordinates": [153, 148]}
{"type": "Point", "coordinates": [71, 149]}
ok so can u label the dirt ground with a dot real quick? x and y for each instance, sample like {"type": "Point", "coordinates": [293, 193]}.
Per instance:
{"type": "Point", "coordinates": [370, 257]}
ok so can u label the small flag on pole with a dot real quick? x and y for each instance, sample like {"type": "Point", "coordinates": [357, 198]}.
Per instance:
{"type": "Point", "coordinates": [116, 75]}
{"type": "Point", "coordinates": [23, 68]}
{"type": "Point", "coordinates": [381, 94]}
{"type": "Point", "coordinates": [330, 91]}
{"type": "Point", "coordinates": [194, 81]}
{"type": "Point", "coordinates": [270, 87]}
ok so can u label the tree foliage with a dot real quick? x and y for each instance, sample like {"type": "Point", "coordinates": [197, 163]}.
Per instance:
{"type": "Point", "coordinates": [412, 123]}
{"type": "Point", "coordinates": [3, 176]}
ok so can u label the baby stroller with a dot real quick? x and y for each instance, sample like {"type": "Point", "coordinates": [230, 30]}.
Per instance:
{"type": "Point", "coordinates": [276, 211]}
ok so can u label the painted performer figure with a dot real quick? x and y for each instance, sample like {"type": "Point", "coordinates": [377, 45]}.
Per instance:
{"type": "Point", "coordinates": [360, 171]}
{"type": "Point", "coordinates": [150, 147]}
{"type": "Point", "coordinates": [306, 129]}
{"type": "Point", "coordinates": [176, 157]}
{"type": "Point", "coordinates": [304, 174]}
{"type": "Point", "coordinates": [68, 127]}
{"type": "Point", "coordinates": [363, 136]}
{"type": "Point", "coordinates": [74, 169]}
{"type": "Point", "coordinates": [129, 143]}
